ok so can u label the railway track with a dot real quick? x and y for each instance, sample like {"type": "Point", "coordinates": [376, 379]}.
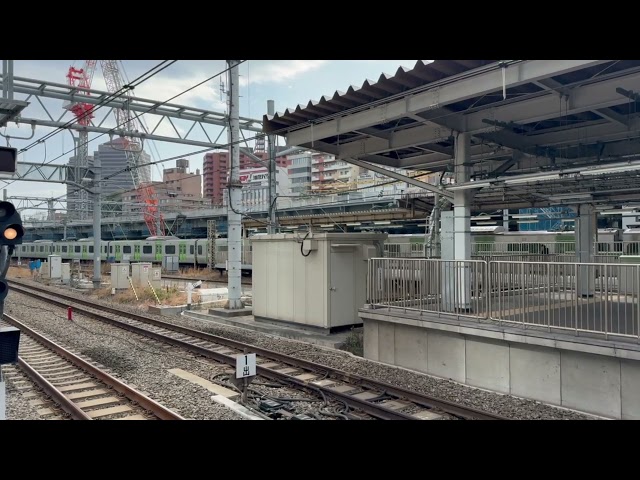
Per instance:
{"type": "Point", "coordinates": [377, 399]}
{"type": "Point", "coordinates": [80, 389]}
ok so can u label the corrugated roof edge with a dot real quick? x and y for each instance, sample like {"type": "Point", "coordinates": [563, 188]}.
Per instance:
{"type": "Point", "coordinates": [384, 79]}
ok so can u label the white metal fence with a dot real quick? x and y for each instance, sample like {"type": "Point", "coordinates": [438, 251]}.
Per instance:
{"type": "Point", "coordinates": [559, 250]}
{"type": "Point", "coordinates": [594, 298]}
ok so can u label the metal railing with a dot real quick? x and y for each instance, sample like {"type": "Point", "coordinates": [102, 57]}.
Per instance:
{"type": "Point", "coordinates": [428, 285]}
{"type": "Point", "coordinates": [482, 249]}
{"type": "Point", "coordinates": [586, 298]}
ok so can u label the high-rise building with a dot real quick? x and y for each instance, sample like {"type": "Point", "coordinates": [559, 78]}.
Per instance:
{"type": "Point", "coordinates": [300, 173]}
{"type": "Point", "coordinates": [215, 171]}
{"type": "Point", "coordinates": [79, 202]}
{"type": "Point", "coordinates": [114, 161]}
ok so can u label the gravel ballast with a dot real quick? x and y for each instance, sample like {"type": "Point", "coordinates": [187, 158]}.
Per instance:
{"type": "Point", "coordinates": [18, 407]}
{"type": "Point", "coordinates": [134, 360]}
{"type": "Point", "coordinates": [505, 405]}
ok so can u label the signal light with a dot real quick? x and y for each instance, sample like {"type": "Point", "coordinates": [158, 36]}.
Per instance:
{"type": "Point", "coordinates": [10, 225]}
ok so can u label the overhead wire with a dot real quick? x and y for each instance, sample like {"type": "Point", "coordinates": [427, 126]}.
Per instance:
{"type": "Point", "coordinates": [121, 91]}
{"type": "Point", "coordinates": [351, 110]}
{"type": "Point", "coordinates": [302, 124]}
{"type": "Point", "coordinates": [145, 125]}
{"type": "Point", "coordinates": [156, 105]}
{"type": "Point", "coordinates": [330, 116]}
{"type": "Point", "coordinates": [141, 79]}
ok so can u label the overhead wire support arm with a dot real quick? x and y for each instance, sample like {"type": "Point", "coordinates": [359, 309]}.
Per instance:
{"type": "Point", "coordinates": [39, 88]}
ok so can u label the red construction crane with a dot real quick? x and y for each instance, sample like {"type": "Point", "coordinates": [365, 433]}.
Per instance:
{"type": "Point", "coordinates": [81, 78]}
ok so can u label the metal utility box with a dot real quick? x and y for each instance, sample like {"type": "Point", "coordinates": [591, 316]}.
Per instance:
{"type": "Point", "coordinates": [55, 267]}
{"type": "Point", "coordinates": [322, 286]}
{"type": "Point", "coordinates": [120, 275]}
{"type": "Point", "coordinates": [156, 277]}
{"type": "Point", "coordinates": [65, 272]}
{"type": "Point", "coordinates": [141, 273]}
{"type": "Point", "coordinates": [9, 342]}
{"type": "Point", "coordinates": [171, 264]}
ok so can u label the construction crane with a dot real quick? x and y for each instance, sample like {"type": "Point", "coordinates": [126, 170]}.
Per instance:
{"type": "Point", "coordinates": [82, 78]}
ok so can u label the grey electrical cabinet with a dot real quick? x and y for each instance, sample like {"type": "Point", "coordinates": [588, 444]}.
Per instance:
{"type": "Point", "coordinates": [319, 281]}
{"type": "Point", "coordinates": [120, 275]}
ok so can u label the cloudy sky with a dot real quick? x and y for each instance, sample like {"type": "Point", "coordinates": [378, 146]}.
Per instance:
{"type": "Point", "coordinates": [287, 82]}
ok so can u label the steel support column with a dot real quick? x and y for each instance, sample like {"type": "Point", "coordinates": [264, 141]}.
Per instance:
{"type": "Point", "coordinates": [272, 172]}
{"type": "Point", "coordinates": [462, 221]}
{"type": "Point", "coordinates": [97, 227]}
{"type": "Point", "coordinates": [586, 232]}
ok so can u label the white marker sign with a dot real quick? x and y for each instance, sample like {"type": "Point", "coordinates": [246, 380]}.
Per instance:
{"type": "Point", "coordinates": [246, 365]}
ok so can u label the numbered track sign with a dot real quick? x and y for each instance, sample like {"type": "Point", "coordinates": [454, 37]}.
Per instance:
{"type": "Point", "coordinates": [246, 365]}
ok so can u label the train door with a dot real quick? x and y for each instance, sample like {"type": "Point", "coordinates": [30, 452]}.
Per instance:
{"type": "Point", "coordinates": [182, 252]}
{"type": "Point", "coordinates": [118, 254]}
{"type": "Point", "coordinates": [136, 252]}
{"type": "Point", "coordinates": [85, 256]}
{"type": "Point", "coordinates": [158, 253]}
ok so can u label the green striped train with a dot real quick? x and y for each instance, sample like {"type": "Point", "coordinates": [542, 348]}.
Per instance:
{"type": "Point", "coordinates": [190, 252]}
{"type": "Point", "coordinates": [486, 240]}
{"type": "Point", "coordinates": [494, 240]}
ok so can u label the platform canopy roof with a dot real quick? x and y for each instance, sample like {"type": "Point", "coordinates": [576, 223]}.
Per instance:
{"type": "Point", "coordinates": [543, 132]}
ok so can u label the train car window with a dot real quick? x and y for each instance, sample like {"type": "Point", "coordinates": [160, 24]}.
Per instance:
{"type": "Point", "coordinates": [33, 249]}
{"type": "Point", "coordinates": [90, 248]}
{"type": "Point", "coordinates": [41, 248]}
{"type": "Point", "coordinates": [76, 249]}
{"type": "Point", "coordinates": [126, 249]}
{"type": "Point", "coordinates": [191, 249]}
{"type": "Point", "coordinates": [199, 249]}
{"type": "Point", "coordinates": [64, 249]}
{"type": "Point", "coordinates": [169, 249]}
{"type": "Point", "coordinates": [147, 249]}
{"type": "Point", "coordinates": [111, 249]}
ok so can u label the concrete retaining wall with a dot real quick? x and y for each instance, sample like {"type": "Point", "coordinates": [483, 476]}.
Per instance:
{"type": "Point", "coordinates": [569, 374]}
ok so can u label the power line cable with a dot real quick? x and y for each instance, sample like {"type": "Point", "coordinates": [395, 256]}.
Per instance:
{"type": "Point", "coordinates": [156, 105]}
{"type": "Point", "coordinates": [124, 89]}
{"type": "Point", "coordinates": [149, 74]}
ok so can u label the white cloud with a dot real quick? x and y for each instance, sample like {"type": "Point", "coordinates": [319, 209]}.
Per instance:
{"type": "Point", "coordinates": [277, 71]}
{"type": "Point", "coordinates": [158, 88]}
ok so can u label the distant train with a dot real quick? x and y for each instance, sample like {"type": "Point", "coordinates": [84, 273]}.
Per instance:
{"type": "Point", "coordinates": [194, 252]}
{"type": "Point", "coordinates": [191, 252]}
{"type": "Point", "coordinates": [489, 240]}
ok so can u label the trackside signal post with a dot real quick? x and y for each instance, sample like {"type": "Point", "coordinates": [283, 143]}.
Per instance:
{"type": "Point", "coordinates": [11, 233]}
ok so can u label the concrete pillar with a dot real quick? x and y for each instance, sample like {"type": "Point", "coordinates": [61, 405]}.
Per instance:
{"type": "Point", "coordinates": [586, 231]}
{"type": "Point", "coordinates": [462, 222]}
{"type": "Point", "coordinates": [447, 252]}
